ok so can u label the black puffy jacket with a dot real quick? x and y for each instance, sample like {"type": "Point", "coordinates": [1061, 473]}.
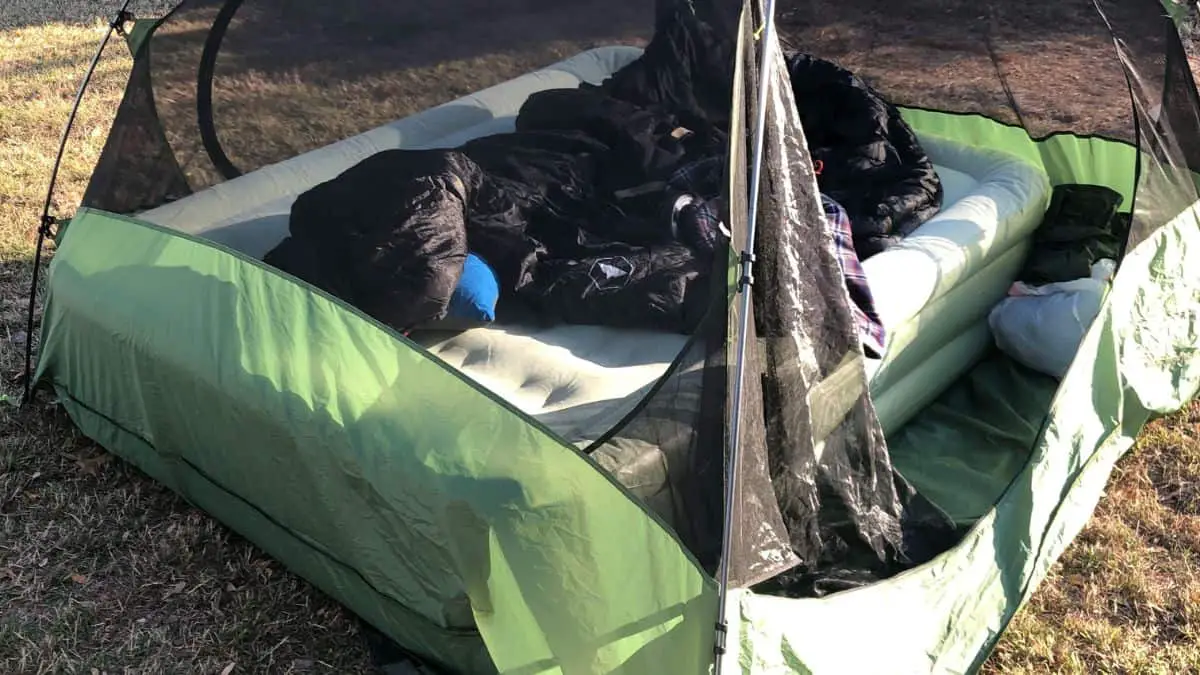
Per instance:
{"type": "Point", "coordinates": [871, 161]}
{"type": "Point", "coordinates": [387, 235]}
{"type": "Point", "coordinates": [390, 234]}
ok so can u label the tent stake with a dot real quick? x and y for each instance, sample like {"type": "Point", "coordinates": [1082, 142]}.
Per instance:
{"type": "Point", "coordinates": [47, 221]}
{"type": "Point", "coordinates": [745, 286]}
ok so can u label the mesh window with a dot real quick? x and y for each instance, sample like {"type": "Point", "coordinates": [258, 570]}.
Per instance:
{"type": "Point", "coordinates": [238, 85]}
{"type": "Point", "coordinates": [1075, 67]}
{"type": "Point", "coordinates": [1049, 67]}
{"type": "Point", "coordinates": [1164, 111]}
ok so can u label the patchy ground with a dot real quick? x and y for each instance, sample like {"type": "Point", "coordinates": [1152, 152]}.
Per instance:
{"type": "Point", "coordinates": [102, 569]}
{"type": "Point", "coordinates": [1125, 598]}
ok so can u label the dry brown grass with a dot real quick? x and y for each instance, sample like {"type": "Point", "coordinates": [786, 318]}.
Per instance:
{"type": "Point", "coordinates": [1125, 598]}
{"type": "Point", "coordinates": [278, 95]}
{"type": "Point", "coordinates": [101, 568]}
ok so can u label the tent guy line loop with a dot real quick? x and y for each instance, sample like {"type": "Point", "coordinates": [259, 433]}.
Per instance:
{"type": "Point", "coordinates": [47, 221]}
{"type": "Point", "coordinates": [119, 21]}
{"type": "Point", "coordinates": [747, 269]}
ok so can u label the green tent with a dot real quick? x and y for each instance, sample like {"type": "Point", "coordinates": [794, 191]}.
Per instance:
{"type": "Point", "coordinates": [666, 456]}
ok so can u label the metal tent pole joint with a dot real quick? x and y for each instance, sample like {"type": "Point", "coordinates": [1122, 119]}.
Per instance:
{"type": "Point", "coordinates": [747, 271]}
{"type": "Point", "coordinates": [722, 633]}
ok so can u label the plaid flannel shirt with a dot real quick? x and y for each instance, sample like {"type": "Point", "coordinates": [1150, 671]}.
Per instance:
{"type": "Point", "coordinates": [696, 215]}
{"type": "Point", "coordinates": [703, 180]}
{"type": "Point", "coordinates": [870, 326]}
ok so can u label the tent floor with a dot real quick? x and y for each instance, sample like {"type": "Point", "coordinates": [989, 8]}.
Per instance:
{"type": "Point", "coordinates": [963, 450]}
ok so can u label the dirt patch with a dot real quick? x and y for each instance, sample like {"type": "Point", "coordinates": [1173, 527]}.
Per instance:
{"type": "Point", "coordinates": [283, 86]}
{"type": "Point", "coordinates": [1049, 66]}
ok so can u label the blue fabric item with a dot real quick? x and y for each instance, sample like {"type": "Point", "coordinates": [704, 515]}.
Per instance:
{"type": "Point", "coordinates": [477, 292]}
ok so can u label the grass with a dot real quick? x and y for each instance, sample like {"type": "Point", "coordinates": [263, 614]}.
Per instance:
{"type": "Point", "coordinates": [103, 570]}
{"type": "Point", "coordinates": [1125, 598]}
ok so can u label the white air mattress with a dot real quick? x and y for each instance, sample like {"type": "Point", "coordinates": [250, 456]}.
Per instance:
{"type": "Point", "coordinates": [578, 380]}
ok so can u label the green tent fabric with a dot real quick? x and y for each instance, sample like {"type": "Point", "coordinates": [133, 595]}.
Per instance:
{"type": "Point", "coordinates": [415, 478]}
{"type": "Point", "coordinates": [352, 485]}
{"type": "Point", "coordinates": [1137, 361]}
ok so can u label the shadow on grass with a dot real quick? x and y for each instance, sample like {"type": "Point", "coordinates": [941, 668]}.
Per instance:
{"type": "Point", "coordinates": [104, 568]}
{"type": "Point", "coordinates": [16, 270]}
{"type": "Point", "coordinates": [284, 85]}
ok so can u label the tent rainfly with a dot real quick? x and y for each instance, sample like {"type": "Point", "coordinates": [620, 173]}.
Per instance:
{"type": "Point", "coordinates": [602, 336]}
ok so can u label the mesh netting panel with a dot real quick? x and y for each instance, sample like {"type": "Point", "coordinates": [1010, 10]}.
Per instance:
{"type": "Point", "coordinates": [760, 543]}
{"type": "Point", "coordinates": [137, 168]}
{"type": "Point", "coordinates": [1179, 114]}
{"type": "Point", "coordinates": [850, 517]}
{"type": "Point", "coordinates": [237, 86]}
{"type": "Point", "coordinates": [1049, 66]}
{"type": "Point", "coordinates": [668, 451]}
{"type": "Point", "coordinates": [1165, 110]}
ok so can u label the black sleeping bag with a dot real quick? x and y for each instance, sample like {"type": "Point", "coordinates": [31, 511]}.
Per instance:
{"type": "Point", "coordinates": [571, 210]}
{"type": "Point", "coordinates": [872, 162]}
{"type": "Point", "coordinates": [387, 235]}
{"type": "Point", "coordinates": [540, 205]}
{"type": "Point", "coordinates": [642, 144]}
{"type": "Point", "coordinates": [686, 69]}
{"type": "Point", "coordinates": [662, 288]}
{"type": "Point", "coordinates": [870, 159]}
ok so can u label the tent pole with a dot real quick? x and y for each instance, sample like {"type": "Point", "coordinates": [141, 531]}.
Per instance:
{"type": "Point", "coordinates": [744, 288]}
{"type": "Point", "coordinates": [47, 221]}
